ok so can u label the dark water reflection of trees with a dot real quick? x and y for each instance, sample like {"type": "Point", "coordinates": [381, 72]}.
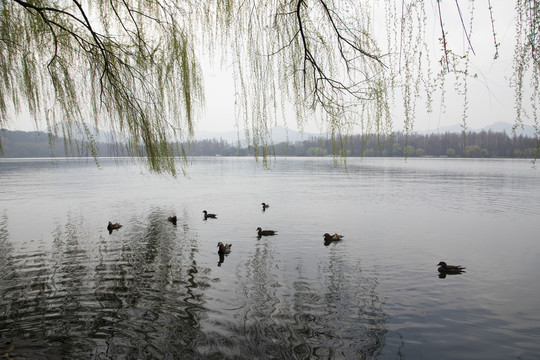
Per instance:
{"type": "Point", "coordinates": [136, 294]}
{"type": "Point", "coordinates": [140, 293]}
{"type": "Point", "coordinates": [334, 313]}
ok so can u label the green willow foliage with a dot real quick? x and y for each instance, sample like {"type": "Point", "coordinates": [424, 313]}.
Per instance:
{"type": "Point", "coordinates": [132, 66]}
{"type": "Point", "coordinates": [527, 61]}
{"type": "Point", "coordinates": [128, 67]}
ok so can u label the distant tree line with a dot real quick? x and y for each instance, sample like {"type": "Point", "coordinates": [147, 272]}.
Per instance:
{"type": "Point", "coordinates": [35, 144]}
{"type": "Point", "coordinates": [470, 144]}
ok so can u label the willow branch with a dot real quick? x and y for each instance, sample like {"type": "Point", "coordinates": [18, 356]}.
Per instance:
{"type": "Point", "coordinates": [464, 29]}
{"type": "Point", "coordinates": [493, 30]}
{"type": "Point", "coordinates": [443, 36]}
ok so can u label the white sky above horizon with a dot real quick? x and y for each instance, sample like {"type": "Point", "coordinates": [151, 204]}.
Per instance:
{"type": "Point", "coordinates": [490, 97]}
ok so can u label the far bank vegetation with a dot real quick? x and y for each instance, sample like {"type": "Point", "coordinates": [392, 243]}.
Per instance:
{"type": "Point", "coordinates": [484, 144]}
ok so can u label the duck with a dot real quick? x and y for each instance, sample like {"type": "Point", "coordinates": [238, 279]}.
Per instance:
{"type": "Point", "coordinates": [209, 216]}
{"type": "Point", "coordinates": [224, 248]}
{"type": "Point", "coordinates": [335, 237]}
{"type": "Point", "coordinates": [172, 219]}
{"type": "Point", "coordinates": [262, 232]}
{"type": "Point", "coordinates": [450, 269]}
{"type": "Point", "coordinates": [265, 206]}
{"type": "Point", "coordinates": [112, 226]}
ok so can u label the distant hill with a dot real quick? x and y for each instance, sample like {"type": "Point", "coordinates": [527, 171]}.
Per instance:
{"type": "Point", "coordinates": [282, 134]}
{"type": "Point", "coordinates": [37, 144]}
{"type": "Point", "coordinates": [278, 134]}
{"type": "Point", "coordinates": [25, 144]}
{"type": "Point", "coordinates": [500, 126]}
{"type": "Point", "coordinates": [525, 130]}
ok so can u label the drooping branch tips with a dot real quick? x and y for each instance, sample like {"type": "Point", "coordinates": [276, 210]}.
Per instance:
{"type": "Point", "coordinates": [106, 65]}
{"type": "Point", "coordinates": [132, 66]}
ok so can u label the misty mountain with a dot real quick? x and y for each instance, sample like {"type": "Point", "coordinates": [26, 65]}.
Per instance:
{"type": "Point", "coordinates": [525, 130]}
{"type": "Point", "coordinates": [278, 134]}
{"type": "Point", "coordinates": [476, 144]}
{"type": "Point", "coordinates": [282, 134]}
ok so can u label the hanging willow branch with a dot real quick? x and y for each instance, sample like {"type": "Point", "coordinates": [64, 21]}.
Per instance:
{"type": "Point", "coordinates": [447, 63]}
{"type": "Point", "coordinates": [495, 43]}
{"type": "Point", "coordinates": [132, 60]}
{"type": "Point", "coordinates": [130, 66]}
{"type": "Point", "coordinates": [344, 46]}
{"type": "Point", "coordinates": [463, 26]}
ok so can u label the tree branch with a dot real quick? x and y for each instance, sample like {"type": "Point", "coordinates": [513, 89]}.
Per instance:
{"type": "Point", "coordinates": [464, 29]}
{"type": "Point", "coordinates": [443, 36]}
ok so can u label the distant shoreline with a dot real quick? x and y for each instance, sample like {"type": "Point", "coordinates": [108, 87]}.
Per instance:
{"type": "Point", "coordinates": [484, 144]}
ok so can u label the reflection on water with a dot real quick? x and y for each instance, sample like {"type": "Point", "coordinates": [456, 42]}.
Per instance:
{"type": "Point", "coordinates": [325, 310]}
{"type": "Point", "coordinates": [444, 275]}
{"type": "Point", "coordinates": [140, 295]}
{"type": "Point", "coordinates": [157, 290]}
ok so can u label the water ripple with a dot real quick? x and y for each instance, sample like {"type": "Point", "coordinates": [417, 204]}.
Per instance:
{"type": "Point", "coordinates": [70, 289]}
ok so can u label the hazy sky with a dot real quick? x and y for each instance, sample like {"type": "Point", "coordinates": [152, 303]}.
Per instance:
{"type": "Point", "coordinates": [490, 97]}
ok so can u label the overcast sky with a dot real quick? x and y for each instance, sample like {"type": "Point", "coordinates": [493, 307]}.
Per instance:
{"type": "Point", "coordinates": [490, 97]}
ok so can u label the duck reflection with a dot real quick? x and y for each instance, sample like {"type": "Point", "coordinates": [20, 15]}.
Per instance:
{"type": "Point", "coordinates": [221, 259]}
{"type": "Point", "coordinates": [443, 275]}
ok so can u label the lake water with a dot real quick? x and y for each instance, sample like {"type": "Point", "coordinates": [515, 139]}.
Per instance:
{"type": "Point", "coordinates": [152, 290]}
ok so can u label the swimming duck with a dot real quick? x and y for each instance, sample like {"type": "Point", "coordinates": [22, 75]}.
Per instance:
{"type": "Point", "coordinates": [265, 206]}
{"type": "Point", "coordinates": [262, 232]}
{"type": "Point", "coordinates": [224, 248]}
{"type": "Point", "coordinates": [450, 269]}
{"type": "Point", "coordinates": [335, 237]}
{"type": "Point", "coordinates": [172, 219]}
{"type": "Point", "coordinates": [207, 215]}
{"type": "Point", "coordinates": [112, 227]}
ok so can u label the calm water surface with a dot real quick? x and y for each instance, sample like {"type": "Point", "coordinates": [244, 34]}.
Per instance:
{"type": "Point", "coordinates": [152, 290]}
